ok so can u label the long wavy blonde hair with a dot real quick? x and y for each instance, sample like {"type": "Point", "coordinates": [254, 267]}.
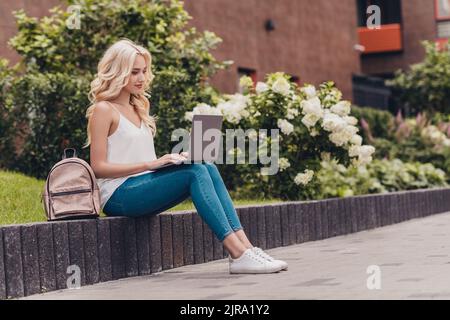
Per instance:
{"type": "Point", "coordinates": [113, 72]}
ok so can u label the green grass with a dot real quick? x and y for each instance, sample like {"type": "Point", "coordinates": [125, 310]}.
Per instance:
{"type": "Point", "coordinates": [20, 199]}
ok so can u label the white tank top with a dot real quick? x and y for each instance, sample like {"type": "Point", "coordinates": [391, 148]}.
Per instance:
{"type": "Point", "coordinates": [127, 145]}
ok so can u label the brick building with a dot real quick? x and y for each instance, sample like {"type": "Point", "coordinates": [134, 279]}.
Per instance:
{"type": "Point", "coordinates": [313, 41]}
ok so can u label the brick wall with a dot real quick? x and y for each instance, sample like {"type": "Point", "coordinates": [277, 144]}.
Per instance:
{"type": "Point", "coordinates": [312, 39]}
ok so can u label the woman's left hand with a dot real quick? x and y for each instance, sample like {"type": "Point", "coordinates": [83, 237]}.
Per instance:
{"type": "Point", "coordinates": [185, 154]}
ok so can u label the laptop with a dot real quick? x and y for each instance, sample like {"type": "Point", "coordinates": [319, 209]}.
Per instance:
{"type": "Point", "coordinates": [199, 141]}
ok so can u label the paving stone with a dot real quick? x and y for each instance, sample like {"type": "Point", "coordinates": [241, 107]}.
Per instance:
{"type": "Point", "coordinates": [61, 247]}
{"type": "Point", "coordinates": [178, 240]}
{"type": "Point", "coordinates": [13, 262]}
{"type": "Point", "coordinates": [30, 260]}
{"type": "Point", "coordinates": [323, 207]}
{"type": "Point", "coordinates": [117, 229]}
{"type": "Point", "coordinates": [2, 268]}
{"type": "Point", "coordinates": [208, 243]}
{"type": "Point", "coordinates": [143, 245]}
{"type": "Point", "coordinates": [46, 253]}
{"type": "Point", "coordinates": [155, 243]}
{"type": "Point", "coordinates": [261, 222]}
{"type": "Point", "coordinates": [277, 238]}
{"type": "Point", "coordinates": [253, 219]}
{"type": "Point", "coordinates": [76, 248]}
{"type": "Point", "coordinates": [104, 250]}
{"type": "Point", "coordinates": [166, 241]}
{"type": "Point", "coordinates": [91, 251]}
{"type": "Point", "coordinates": [284, 224]}
{"type": "Point", "coordinates": [333, 217]}
{"type": "Point", "coordinates": [197, 223]}
{"type": "Point", "coordinates": [188, 239]}
{"type": "Point", "coordinates": [270, 240]}
{"type": "Point", "coordinates": [317, 218]}
{"type": "Point", "coordinates": [292, 224]}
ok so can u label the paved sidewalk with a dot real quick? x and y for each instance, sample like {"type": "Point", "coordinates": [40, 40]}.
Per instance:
{"type": "Point", "coordinates": [413, 258]}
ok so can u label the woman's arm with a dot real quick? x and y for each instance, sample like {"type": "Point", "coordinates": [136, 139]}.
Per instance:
{"type": "Point", "coordinates": [101, 121]}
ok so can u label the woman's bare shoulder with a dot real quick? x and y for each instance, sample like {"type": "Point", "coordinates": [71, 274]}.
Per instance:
{"type": "Point", "coordinates": [102, 106]}
{"type": "Point", "coordinates": [103, 109]}
{"type": "Point", "coordinates": [103, 113]}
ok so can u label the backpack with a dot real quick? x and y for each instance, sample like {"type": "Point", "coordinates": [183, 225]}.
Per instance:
{"type": "Point", "coordinates": [71, 190]}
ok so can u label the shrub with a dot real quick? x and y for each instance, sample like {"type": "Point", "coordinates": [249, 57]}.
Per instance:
{"type": "Point", "coordinates": [426, 86]}
{"type": "Point", "coordinates": [379, 176]}
{"type": "Point", "coordinates": [312, 123]}
{"type": "Point", "coordinates": [416, 140]}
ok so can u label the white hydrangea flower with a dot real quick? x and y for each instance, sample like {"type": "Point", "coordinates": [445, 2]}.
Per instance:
{"type": "Point", "coordinates": [349, 132]}
{"type": "Point", "coordinates": [285, 126]}
{"type": "Point", "coordinates": [310, 120]}
{"type": "Point", "coordinates": [363, 161]}
{"type": "Point", "coordinates": [201, 108]}
{"type": "Point", "coordinates": [283, 164]}
{"type": "Point", "coordinates": [446, 143]}
{"type": "Point", "coordinates": [304, 178]}
{"type": "Point", "coordinates": [253, 135]}
{"type": "Point", "coordinates": [366, 151]}
{"type": "Point", "coordinates": [234, 109]}
{"type": "Point", "coordinates": [310, 91]}
{"type": "Point", "coordinates": [261, 87]}
{"type": "Point", "coordinates": [353, 151]}
{"type": "Point", "coordinates": [312, 106]}
{"type": "Point", "coordinates": [282, 86]}
{"type": "Point", "coordinates": [356, 140]}
{"type": "Point", "coordinates": [341, 108]}
{"type": "Point", "coordinates": [246, 82]}
{"type": "Point", "coordinates": [333, 122]}
{"type": "Point", "coordinates": [364, 154]}
{"type": "Point", "coordinates": [291, 113]}
{"type": "Point", "coordinates": [188, 115]}
{"type": "Point", "coordinates": [338, 138]}
{"type": "Point", "coordinates": [351, 120]}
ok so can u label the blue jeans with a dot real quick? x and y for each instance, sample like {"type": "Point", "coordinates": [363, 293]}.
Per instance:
{"type": "Point", "coordinates": [157, 191]}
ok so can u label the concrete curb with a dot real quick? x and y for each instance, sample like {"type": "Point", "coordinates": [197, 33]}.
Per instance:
{"type": "Point", "coordinates": [34, 257]}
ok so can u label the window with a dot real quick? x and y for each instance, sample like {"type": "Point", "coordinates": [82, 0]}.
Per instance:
{"type": "Point", "coordinates": [442, 8]}
{"type": "Point", "coordinates": [390, 11]}
{"type": "Point", "coordinates": [295, 79]}
{"type": "Point", "coordinates": [245, 72]}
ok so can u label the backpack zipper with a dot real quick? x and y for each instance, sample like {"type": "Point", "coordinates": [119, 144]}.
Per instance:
{"type": "Point", "coordinates": [69, 192]}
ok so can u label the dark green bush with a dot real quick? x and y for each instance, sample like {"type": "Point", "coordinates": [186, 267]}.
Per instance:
{"type": "Point", "coordinates": [425, 87]}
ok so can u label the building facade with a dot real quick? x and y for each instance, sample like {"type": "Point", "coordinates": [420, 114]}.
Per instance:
{"type": "Point", "coordinates": [313, 41]}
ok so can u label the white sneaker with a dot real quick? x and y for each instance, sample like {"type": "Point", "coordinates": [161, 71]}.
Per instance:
{"type": "Point", "coordinates": [261, 253]}
{"type": "Point", "coordinates": [249, 262]}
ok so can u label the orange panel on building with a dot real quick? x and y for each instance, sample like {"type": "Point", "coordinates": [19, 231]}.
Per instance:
{"type": "Point", "coordinates": [387, 38]}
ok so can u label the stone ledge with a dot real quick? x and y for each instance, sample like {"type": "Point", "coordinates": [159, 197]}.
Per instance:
{"type": "Point", "coordinates": [34, 257]}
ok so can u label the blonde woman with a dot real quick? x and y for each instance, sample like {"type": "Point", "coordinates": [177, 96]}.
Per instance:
{"type": "Point", "coordinates": [120, 136]}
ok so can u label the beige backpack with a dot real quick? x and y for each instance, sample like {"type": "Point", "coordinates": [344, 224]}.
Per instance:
{"type": "Point", "coordinates": [71, 190]}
